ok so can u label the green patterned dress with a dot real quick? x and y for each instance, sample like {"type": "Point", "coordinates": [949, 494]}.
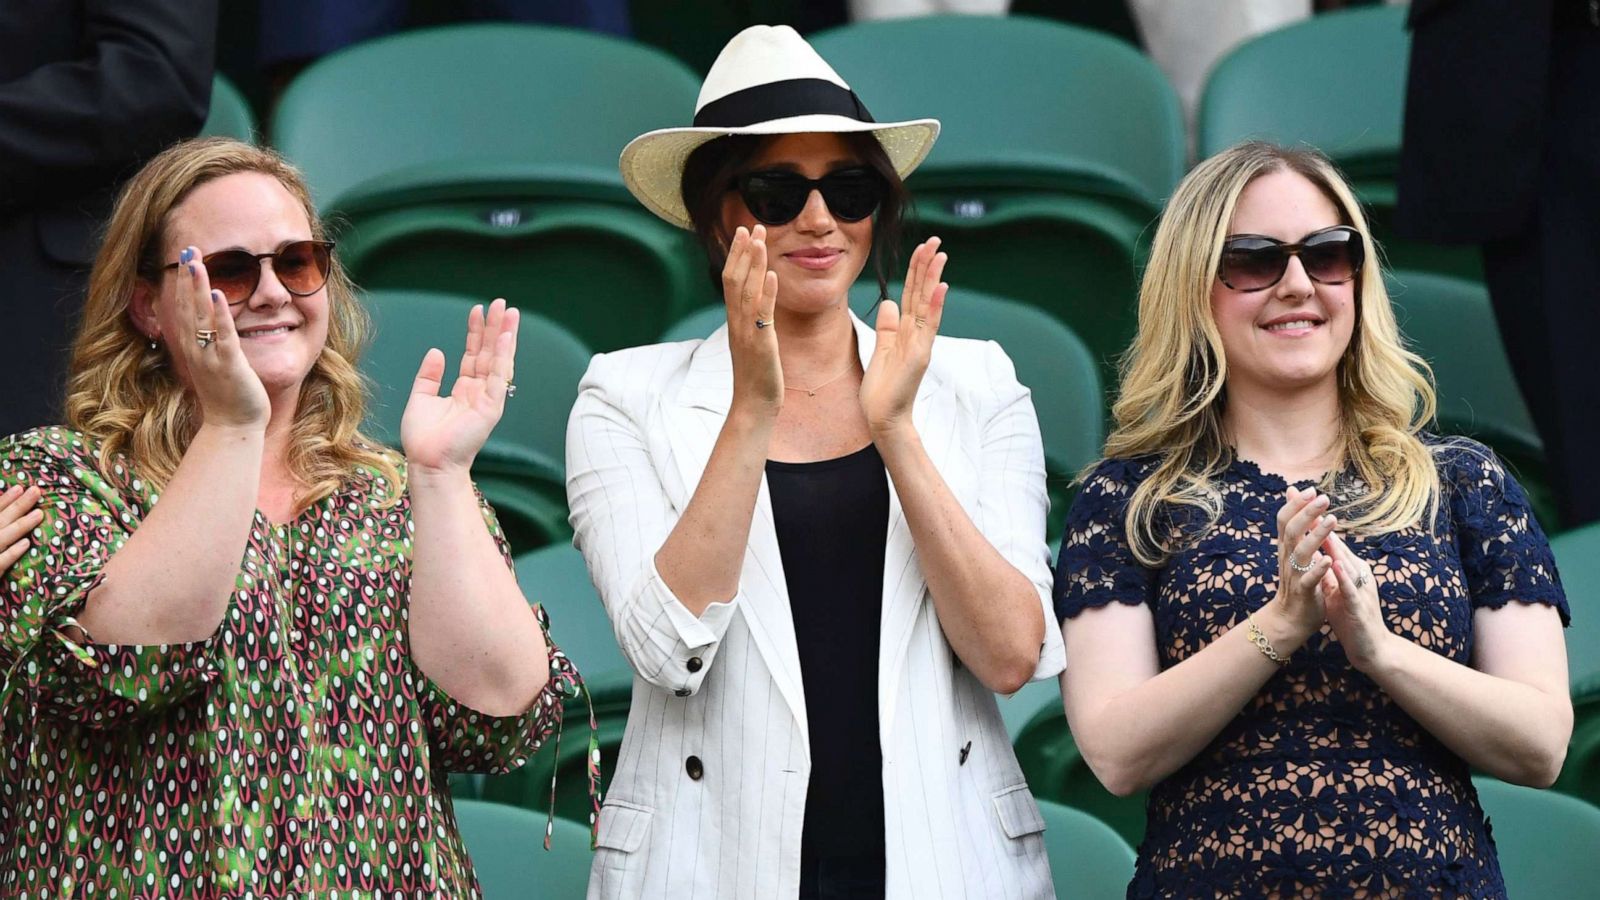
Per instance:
{"type": "Point", "coordinates": [298, 752]}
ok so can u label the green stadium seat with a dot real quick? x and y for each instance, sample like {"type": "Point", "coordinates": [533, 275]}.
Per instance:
{"type": "Point", "coordinates": [230, 114]}
{"type": "Point", "coordinates": [1059, 147]}
{"type": "Point", "coordinates": [1057, 771]}
{"type": "Point", "coordinates": [520, 469]}
{"type": "Point", "coordinates": [1449, 321]}
{"type": "Point", "coordinates": [1034, 699]}
{"type": "Point", "coordinates": [529, 786]}
{"type": "Point", "coordinates": [481, 159]}
{"type": "Point", "coordinates": [556, 577]}
{"type": "Point", "coordinates": [1335, 82]}
{"type": "Point", "coordinates": [1580, 777]}
{"type": "Point", "coordinates": [1578, 558]}
{"type": "Point", "coordinates": [1087, 857]}
{"type": "Point", "coordinates": [1547, 841]}
{"type": "Point", "coordinates": [506, 846]}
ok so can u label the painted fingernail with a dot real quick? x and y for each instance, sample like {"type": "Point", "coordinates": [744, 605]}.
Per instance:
{"type": "Point", "coordinates": [186, 255]}
{"type": "Point", "coordinates": [216, 296]}
{"type": "Point", "coordinates": [191, 269]}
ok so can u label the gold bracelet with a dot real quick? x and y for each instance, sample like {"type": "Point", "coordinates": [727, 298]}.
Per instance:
{"type": "Point", "coordinates": [1259, 638]}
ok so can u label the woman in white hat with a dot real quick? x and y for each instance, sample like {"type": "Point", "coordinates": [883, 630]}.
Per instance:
{"type": "Point", "coordinates": [821, 544]}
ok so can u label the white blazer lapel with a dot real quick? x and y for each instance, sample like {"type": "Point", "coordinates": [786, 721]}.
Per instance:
{"type": "Point", "coordinates": [904, 590]}
{"type": "Point", "coordinates": [695, 418]}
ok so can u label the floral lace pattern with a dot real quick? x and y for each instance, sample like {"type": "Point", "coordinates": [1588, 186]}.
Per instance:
{"type": "Point", "coordinates": [297, 752]}
{"type": "Point", "coordinates": [1322, 786]}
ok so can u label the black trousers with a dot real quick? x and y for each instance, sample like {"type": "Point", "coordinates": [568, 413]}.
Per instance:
{"type": "Point", "coordinates": [1545, 281]}
{"type": "Point", "coordinates": [40, 300]}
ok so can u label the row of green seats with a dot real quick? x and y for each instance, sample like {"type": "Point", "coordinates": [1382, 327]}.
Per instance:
{"type": "Point", "coordinates": [454, 176]}
{"type": "Point", "coordinates": [506, 846]}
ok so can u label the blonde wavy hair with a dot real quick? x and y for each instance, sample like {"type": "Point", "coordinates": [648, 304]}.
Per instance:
{"type": "Point", "coordinates": [123, 393]}
{"type": "Point", "coordinates": [1171, 400]}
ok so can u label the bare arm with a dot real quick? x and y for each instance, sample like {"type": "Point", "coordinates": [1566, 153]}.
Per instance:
{"type": "Point", "coordinates": [989, 611]}
{"type": "Point", "coordinates": [702, 556]}
{"type": "Point", "coordinates": [1136, 724]}
{"type": "Point", "coordinates": [172, 581]}
{"type": "Point", "coordinates": [1508, 714]}
{"type": "Point", "coordinates": [471, 629]}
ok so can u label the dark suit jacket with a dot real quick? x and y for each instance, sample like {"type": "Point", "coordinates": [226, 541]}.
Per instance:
{"type": "Point", "coordinates": [89, 90]}
{"type": "Point", "coordinates": [1475, 118]}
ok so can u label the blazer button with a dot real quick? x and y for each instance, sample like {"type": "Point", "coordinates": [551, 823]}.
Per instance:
{"type": "Point", "coordinates": [694, 768]}
{"type": "Point", "coordinates": [681, 692]}
{"type": "Point", "coordinates": [694, 664]}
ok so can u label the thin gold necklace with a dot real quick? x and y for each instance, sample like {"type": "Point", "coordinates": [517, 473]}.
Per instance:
{"type": "Point", "coordinates": [812, 392]}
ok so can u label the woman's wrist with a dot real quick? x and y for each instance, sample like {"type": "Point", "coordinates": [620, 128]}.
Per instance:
{"type": "Point", "coordinates": [1286, 632]}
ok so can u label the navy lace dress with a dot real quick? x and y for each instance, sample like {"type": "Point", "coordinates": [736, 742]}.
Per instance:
{"type": "Point", "coordinates": [1322, 786]}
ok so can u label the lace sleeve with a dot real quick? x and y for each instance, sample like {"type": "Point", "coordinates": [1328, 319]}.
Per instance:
{"type": "Point", "coordinates": [1097, 565]}
{"type": "Point", "coordinates": [1504, 554]}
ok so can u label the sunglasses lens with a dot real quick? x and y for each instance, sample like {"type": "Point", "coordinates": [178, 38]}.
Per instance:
{"type": "Point", "coordinates": [852, 195]}
{"type": "Point", "coordinates": [1251, 269]}
{"type": "Point", "coordinates": [773, 198]}
{"type": "Point", "coordinates": [234, 273]}
{"type": "Point", "coordinates": [1333, 258]}
{"type": "Point", "coordinates": [302, 267]}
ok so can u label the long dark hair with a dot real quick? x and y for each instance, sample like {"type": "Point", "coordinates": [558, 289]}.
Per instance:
{"type": "Point", "coordinates": [709, 173]}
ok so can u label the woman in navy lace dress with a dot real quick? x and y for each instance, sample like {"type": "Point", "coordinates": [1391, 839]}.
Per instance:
{"type": "Point", "coordinates": [1293, 615]}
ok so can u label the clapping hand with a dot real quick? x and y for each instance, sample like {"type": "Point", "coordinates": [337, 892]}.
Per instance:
{"type": "Point", "coordinates": [905, 342]}
{"type": "Point", "coordinates": [443, 433]}
{"type": "Point", "coordinates": [1350, 596]}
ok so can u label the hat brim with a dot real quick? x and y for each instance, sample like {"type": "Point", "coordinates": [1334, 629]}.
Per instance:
{"type": "Point", "coordinates": [652, 163]}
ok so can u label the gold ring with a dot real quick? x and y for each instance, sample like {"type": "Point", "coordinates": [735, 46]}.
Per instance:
{"type": "Point", "coordinates": [921, 321]}
{"type": "Point", "coordinates": [205, 337]}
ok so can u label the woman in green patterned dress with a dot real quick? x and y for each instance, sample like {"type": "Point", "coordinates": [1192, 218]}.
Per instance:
{"type": "Point", "coordinates": [247, 642]}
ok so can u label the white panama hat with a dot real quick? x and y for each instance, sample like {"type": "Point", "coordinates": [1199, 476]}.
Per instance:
{"type": "Point", "coordinates": [767, 80]}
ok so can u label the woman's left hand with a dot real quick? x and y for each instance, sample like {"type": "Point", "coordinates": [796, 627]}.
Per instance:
{"type": "Point", "coordinates": [905, 342]}
{"type": "Point", "coordinates": [443, 434]}
{"type": "Point", "coordinates": [1350, 598]}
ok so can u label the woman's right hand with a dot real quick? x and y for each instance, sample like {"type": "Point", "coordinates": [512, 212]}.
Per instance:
{"type": "Point", "coordinates": [750, 292]}
{"type": "Point", "coordinates": [230, 392]}
{"type": "Point", "coordinates": [1303, 524]}
{"type": "Point", "coordinates": [18, 519]}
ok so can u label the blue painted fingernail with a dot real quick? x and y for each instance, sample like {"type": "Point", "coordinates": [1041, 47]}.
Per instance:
{"type": "Point", "coordinates": [186, 255]}
{"type": "Point", "coordinates": [191, 268]}
{"type": "Point", "coordinates": [217, 296]}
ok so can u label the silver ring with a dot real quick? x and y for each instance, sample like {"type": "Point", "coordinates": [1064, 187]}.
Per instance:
{"type": "Point", "coordinates": [1295, 564]}
{"type": "Point", "coordinates": [762, 323]}
{"type": "Point", "coordinates": [205, 337]}
{"type": "Point", "coordinates": [511, 390]}
{"type": "Point", "coordinates": [1361, 581]}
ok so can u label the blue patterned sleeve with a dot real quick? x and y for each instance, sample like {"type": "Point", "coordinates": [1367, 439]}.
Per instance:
{"type": "Point", "coordinates": [1504, 554]}
{"type": "Point", "coordinates": [1097, 565]}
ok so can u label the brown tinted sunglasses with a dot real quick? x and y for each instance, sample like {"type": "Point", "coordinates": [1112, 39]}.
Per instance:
{"type": "Point", "coordinates": [301, 267]}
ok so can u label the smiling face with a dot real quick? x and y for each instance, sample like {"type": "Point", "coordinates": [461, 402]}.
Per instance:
{"type": "Point", "coordinates": [817, 255]}
{"type": "Point", "coordinates": [1291, 336]}
{"type": "Point", "coordinates": [282, 335]}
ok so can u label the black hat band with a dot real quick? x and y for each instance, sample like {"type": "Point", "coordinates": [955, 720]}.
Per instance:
{"type": "Point", "coordinates": [782, 100]}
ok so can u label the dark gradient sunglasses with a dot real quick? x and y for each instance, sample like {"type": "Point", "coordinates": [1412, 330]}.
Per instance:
{"type": "Point", "coordinates": [1253, 262]}
{"type": "Point", "coordinates": [302, 268]}
{"type": "Point", "coordinates": [776, 197]}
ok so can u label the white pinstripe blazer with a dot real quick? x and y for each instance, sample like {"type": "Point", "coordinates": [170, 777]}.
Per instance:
{"type": "Point", "coordinates": [710, 786]}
